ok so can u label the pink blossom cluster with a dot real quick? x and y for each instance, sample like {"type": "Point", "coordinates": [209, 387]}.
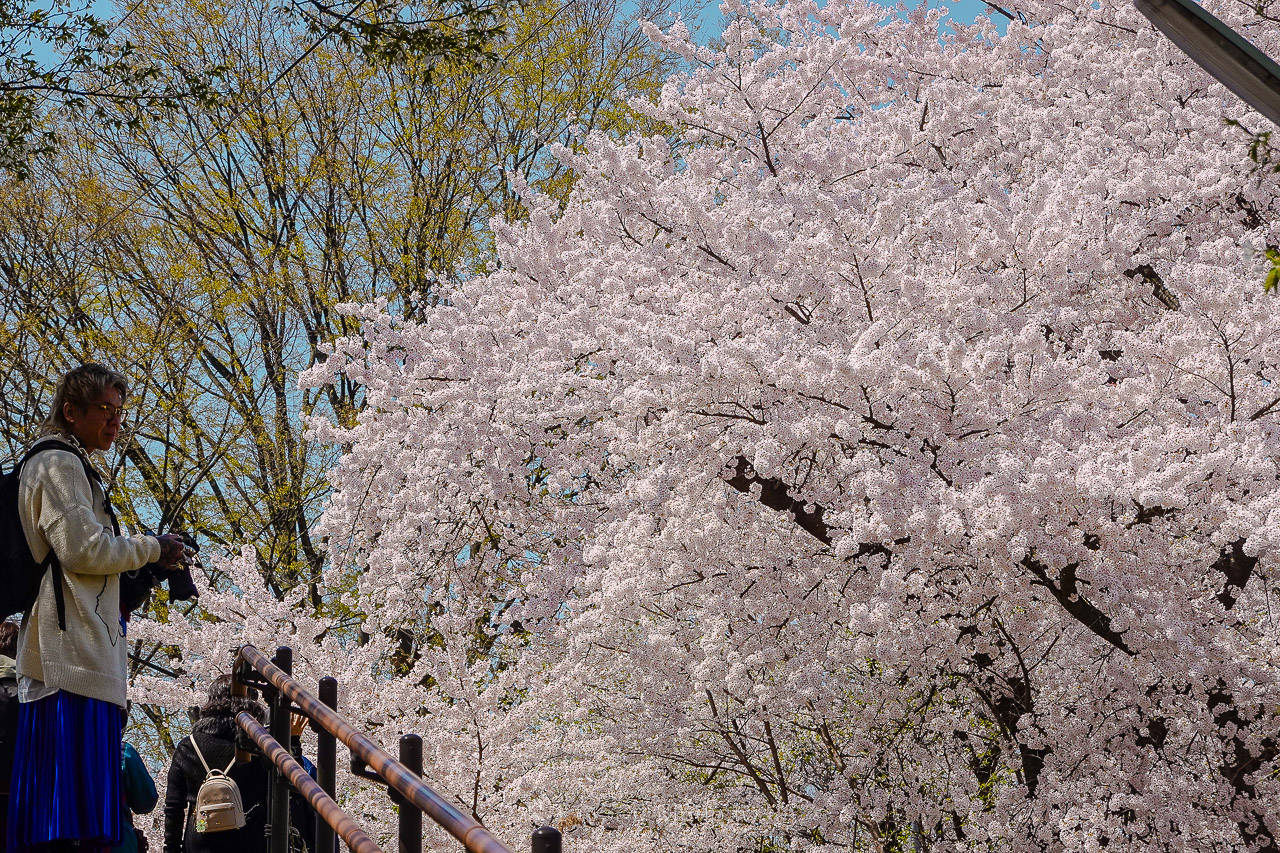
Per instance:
{"type": "Point", "coordinates": [886, 455]}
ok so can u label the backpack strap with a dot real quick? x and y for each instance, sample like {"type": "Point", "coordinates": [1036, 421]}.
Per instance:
{"type": "Point", "coordinates": [205, 764]}
{"type": "Point", "coordinates": [199, 754]}
{"type": "Point", "coordinates": [51, 562]}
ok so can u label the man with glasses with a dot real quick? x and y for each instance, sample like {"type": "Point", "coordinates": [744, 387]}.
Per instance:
{"type": "Point", "coordinates": [72, 662]}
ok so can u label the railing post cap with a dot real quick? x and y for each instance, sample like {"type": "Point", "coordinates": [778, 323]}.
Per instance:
{"type": "Point", "coordinates": [546, 839]}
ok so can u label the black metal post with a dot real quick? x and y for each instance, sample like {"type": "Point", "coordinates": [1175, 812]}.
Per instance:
{"type": "Point", "coordinates": [240, 672]}
{"type": "Point", "coordinates": [410, 817]}
{"type": "Point", "coordinates": [278, 720]}
{"type": "Point", "coordinates": [327, 764]}
{"type": "Point", "coordinates": [546, 839]}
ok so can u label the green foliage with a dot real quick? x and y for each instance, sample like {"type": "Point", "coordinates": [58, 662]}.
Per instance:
{"type": "Point", "coordinates": [59, 61]}
{"type": "Point", "coordinates": [1260, 150]}
{"type": "Point", "coordinates": [390, 32]}
{"type": "Point", "coordinates": [464, 132]}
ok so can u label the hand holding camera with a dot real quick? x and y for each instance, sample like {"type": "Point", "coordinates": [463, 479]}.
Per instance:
{"type": "Point", "coordinates": [179, 551]}
{"type": "Point", "coordinates": [172, 550]}
{"type": "Point", "coordinates": [177, 570]}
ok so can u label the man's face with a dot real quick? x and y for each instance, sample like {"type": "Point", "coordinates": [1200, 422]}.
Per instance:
{"type": "Point", "coordinates": [98, 424]}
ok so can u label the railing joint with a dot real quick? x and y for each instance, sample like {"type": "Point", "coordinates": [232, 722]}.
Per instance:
{"type": "Point", "coordinates": [252, 679]}
{"type": "Point", "coordinates": [361, 770]}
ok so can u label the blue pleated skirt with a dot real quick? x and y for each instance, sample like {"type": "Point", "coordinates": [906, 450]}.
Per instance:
{"type": "Point", "coordinates": [66, 773]}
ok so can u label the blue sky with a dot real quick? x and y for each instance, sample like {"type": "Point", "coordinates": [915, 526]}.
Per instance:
{"type": "Point", "coordinates": [704, 28]}
{"type": "Point", "coordinates": [961, 10]}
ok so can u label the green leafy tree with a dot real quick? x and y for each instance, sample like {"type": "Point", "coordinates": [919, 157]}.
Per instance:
{"type": "Point", "coordinates": [204, 250]}
{"type": "Point", "coordinates": [60, 55]}
{"type": "Point", "coordinates": [61, 60]}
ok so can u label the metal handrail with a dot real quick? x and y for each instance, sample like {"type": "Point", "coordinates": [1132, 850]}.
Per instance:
{"type": "Point", "coordinates": [355, 837]}
{"type": "Point", "coordinates": [476, 838]}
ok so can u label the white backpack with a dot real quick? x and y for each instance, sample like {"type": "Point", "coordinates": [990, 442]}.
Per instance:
{"type": "Point", "coordinates": [218, 806]}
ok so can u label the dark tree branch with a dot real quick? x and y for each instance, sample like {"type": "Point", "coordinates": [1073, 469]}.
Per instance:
{"type": "Point", "coordinates": [1236, 567]}
{"type": "Point", "coordinates": [1068, 595]}
{"type": "Point", "coordinates": [774, 495]}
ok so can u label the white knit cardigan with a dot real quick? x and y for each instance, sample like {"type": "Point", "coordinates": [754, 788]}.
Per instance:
{"type": "Point", "coordinates": [62, 509]}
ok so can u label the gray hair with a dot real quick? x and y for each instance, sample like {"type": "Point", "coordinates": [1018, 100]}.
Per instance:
{"type": "Point", "coordinates": [82, 386]}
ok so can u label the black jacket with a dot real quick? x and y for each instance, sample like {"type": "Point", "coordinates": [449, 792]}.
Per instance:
{"type": "Point", "coordinates": [217, 738]}
{"type": "Point", "coordinates": [8, 722]}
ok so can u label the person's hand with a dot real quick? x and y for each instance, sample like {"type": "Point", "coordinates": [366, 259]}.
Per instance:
{"type": "Point", "coordinates": [172, 549]}
{"type": "Point", "coordinates": [297, 722]}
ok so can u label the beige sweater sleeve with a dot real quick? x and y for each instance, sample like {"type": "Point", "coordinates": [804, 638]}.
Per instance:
{"type": "Point", "coordinates": [60, 510]}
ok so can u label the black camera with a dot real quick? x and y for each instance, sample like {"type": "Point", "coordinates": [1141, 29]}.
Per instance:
{"type": "Point", "coordinates": [135, 586]}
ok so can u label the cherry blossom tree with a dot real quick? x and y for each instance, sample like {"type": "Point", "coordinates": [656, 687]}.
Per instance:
{"type": "Point", "coordinates": [884, 459]}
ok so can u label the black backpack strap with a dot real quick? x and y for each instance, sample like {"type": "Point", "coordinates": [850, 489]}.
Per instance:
{"type": "Point", "coordinates": [51, 562]}
{"type": "Point", "coordinates": [59, 597]}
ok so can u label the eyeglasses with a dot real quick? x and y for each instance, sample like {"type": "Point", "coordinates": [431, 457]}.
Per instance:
{"type": "Point", "coordinates": [110, 411]}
